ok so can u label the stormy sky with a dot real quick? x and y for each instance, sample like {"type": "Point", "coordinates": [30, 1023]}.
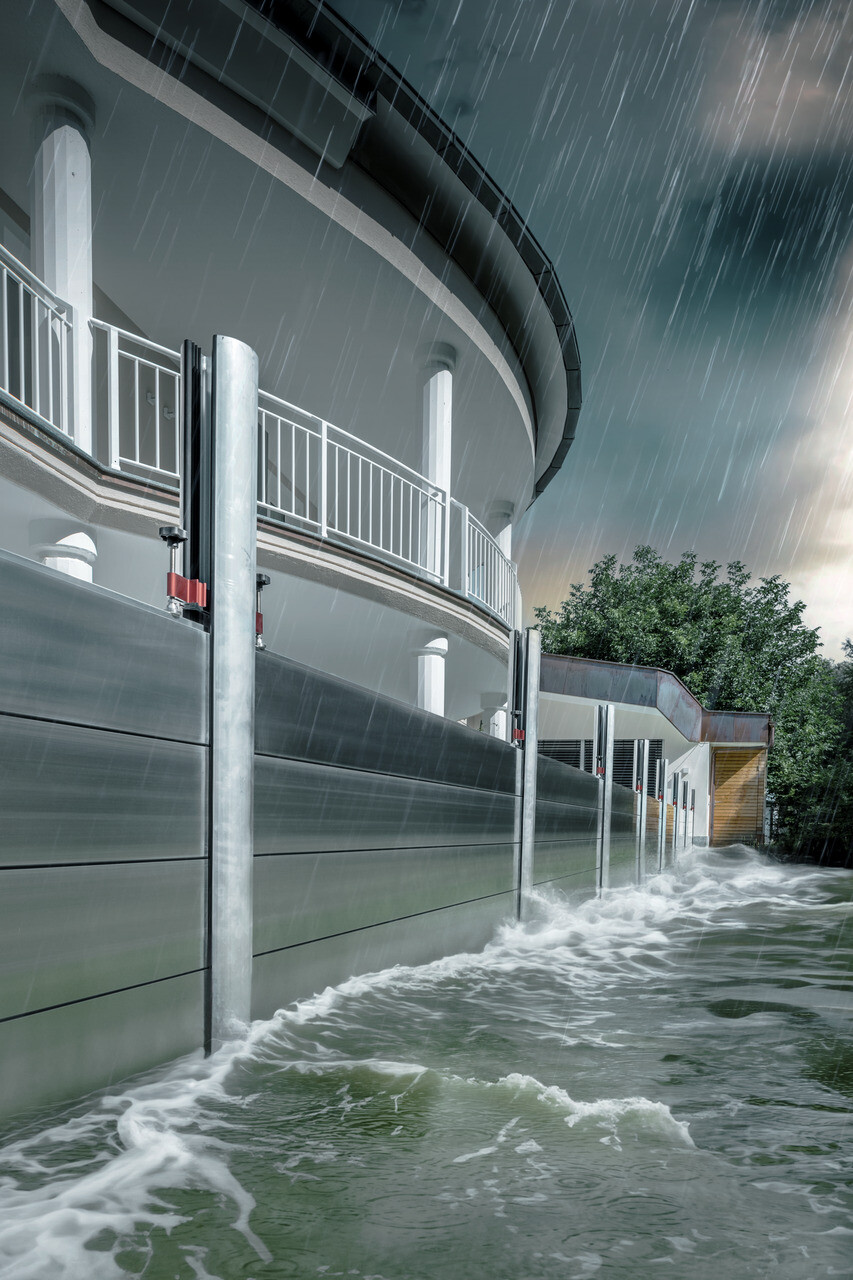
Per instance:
{"type": "Point", "coordinates": [688, 167]}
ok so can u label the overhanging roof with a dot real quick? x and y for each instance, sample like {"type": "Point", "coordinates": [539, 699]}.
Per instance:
{"type": "Point", "coordinates": [345, 102]}
{"type": "Point", "coordinates": [658, 690]}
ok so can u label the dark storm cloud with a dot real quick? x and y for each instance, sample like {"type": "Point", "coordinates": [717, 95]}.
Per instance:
{"type": "Point", "coordinates": [688, 166]}
{"type": "Point", "coordinates": [769, 233]}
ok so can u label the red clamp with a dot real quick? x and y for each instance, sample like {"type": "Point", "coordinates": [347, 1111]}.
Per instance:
{"type": "Point", "coordinates": [518, 735]}
{"type": "Point", "coordinates": [188, 590]}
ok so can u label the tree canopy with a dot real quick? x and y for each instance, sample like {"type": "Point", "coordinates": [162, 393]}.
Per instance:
{"type": "Point", "coordinates": [738, 645]}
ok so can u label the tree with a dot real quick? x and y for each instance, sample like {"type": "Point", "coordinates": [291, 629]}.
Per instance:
{"type": "Point", "coordinates": [738, 646]}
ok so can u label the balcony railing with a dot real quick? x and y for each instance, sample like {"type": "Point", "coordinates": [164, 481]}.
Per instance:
{"type": "Point", "coordinates": [318, 477]}
{"type": "Point", "coordinates": [490, 576]}
{"type": "Point", "coordinates": [36, 336]}
{"type": "Point", "coordinates": [312, 475]}
{"type": "Point", "coordinates": [142, 384]}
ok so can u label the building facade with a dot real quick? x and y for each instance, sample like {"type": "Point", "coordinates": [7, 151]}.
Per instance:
{"type": "Point", "coordinates": [180, 169]}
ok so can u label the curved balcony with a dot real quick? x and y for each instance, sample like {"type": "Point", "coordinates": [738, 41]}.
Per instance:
{"type": "Point", "coordinates": [313, 477]}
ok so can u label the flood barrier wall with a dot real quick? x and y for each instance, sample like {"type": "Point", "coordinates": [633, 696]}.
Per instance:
{"type": "Point", "coordinates": [382, 835]}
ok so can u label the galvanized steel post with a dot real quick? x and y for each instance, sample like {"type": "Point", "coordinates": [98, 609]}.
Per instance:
{"type": "Point", "coordinates": [232, 683]}
{"type": "Point", "coordinates": [532, 664]}
{"type": "Point", "coordinates": [605, 720]}
{"type": "Point", "coordinates": [642, 784]}
{"type": "Point", "coordinates": [663, 770]}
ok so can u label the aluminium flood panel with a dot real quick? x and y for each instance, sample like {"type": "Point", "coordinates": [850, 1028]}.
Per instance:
{"type": "Point", "coordinates": [557, 859]}
{"type": "Point", "coordinates": [305, 807]}
{"type": "Point", "coordinates": [78, 653]}
{"type": "Point", "coordinates": [102, 867]}
{"type": "Point", "coordinates": [306, 715]}
{"type": "Point", "coordinates": [566, 815]}
{"type": "Point", "coordinates": [285, 976]}
{"type": "Point", "coordinates": [565, 784]}
{"type": "Point", "coordinates": [71, 794]}
{"type": "Point", "coordinates": [383, 834]}
{"type": "Point", "coordinates": [301, 897]}
{"type": "Point", "coordinates": [71, 933]}
{"type": "Point", "coordinates": [62, 1053]}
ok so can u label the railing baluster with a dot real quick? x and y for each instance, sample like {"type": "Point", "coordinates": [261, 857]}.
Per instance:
{"type": "Point", "coordinates": [21, 374]}
{"type": "Point", "coordinates": [51, 399]}
{"type": "Point", "coordinates": [324, 476]}
{"type": "Point", "coordinates": [34, 339]}
{"type": "Point", "coordinates": [5, 355]}
{"type": "Point", "coordinates": [66, 422]}
{"type": "Point", "coordinates": [176, 393]}
{"type": "Point", "coordinates": [136, 457]}
{"type": "Point", "coordinates": [113, 398]}
{"type": "Point", "coordinates": [157, 417]}
{"type": "Point", "coordinates": [349, 489]}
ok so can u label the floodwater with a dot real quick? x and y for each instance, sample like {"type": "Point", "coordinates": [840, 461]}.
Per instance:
{"type": "Point", "coordinates": [658, 1083]}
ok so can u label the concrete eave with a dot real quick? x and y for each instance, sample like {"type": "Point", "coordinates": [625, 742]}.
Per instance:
{"type": "Point", "coordinates": [380, 124]}
{"type": "Point", "coordinates": [655, 690]}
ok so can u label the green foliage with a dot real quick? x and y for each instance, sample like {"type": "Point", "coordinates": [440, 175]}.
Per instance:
{"type": "Point", "coordinates": [738, 646]}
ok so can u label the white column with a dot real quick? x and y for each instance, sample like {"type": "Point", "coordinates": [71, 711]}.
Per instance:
{"type": "Point", "coordinates": [431, 666]}
{"type": "Point", "coordinates": [438, 415]}
{"type": "Point", "coordinates": [437, 449]}
{"type": "Point", "coordinates": [61, 224]}
{"type": "Point", "coordinates": [494, 713]}
{"type": "Point", "coordinates": [500, 522]}
{"type": "Point", "coordinates": [73, 553]}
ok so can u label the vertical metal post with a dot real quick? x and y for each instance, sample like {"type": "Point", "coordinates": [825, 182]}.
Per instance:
{"type": "Point", "coordinates": [676, 791]}
{"type": "Point", "coordinates": [663, 770]}
{"type": "Point", "coordinates": [464, 565]}
{"type": "Point", "coordinates": [324, 480]}
{"type": "Point", "coordinates": [643, 793]}
{"type": "Point", "coordinates": [444, 571]}
{"type": "Point", "coordinates": [604, 730]}
{"type": "Point", "coordinates": [196, 463]}
{"type": "Point", "coordinates": [232, 683]}
{"type": "Point", "coordinates": [515, 700]}
{"type": "Point", "coordinates": [113, 397]}
{"type": "Point", "coordinates": [530, 726]}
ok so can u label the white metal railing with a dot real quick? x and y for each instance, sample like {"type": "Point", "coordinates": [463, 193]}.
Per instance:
{"type": "Point", "coordinates": [36, 336]}
{"type": "Point", "coordinates": [489, 577]}
{"type": "Point", "coordinates": [312, 475]}
{"type": "Point", "coordinates": [321, 478]}
{"type": "Point", "coordinates": [140, 383]}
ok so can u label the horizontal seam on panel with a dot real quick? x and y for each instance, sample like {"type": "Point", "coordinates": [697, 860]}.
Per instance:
{"type": "Point", "coordinates": [379, 924]}
{"type": "Point", "coordinates": [564, 839]}
{"type": "Point", "coordinates": [100, 995]}
{"type": "Point", "coordinates": [378, 773]}
{"type": "Point", "coordinates": [567, 804]}
{"type": "Point", "coordinates": [590, 871]}
{"type": "Point", "coordinates": [389, 848]}
{"type": "Point", "coordinates": [104, 862]}
{"type": "Point", "coordinates": [102, 728]}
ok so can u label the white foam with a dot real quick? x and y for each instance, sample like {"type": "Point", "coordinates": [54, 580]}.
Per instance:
{"type": "Point", "coordinates": [636, 1112]}
{"type": "Point", "coordinates": [155, 1134]}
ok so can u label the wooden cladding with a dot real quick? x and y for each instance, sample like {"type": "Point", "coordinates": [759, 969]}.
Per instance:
{"type": "Point", "coordinates": [737, 796]}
